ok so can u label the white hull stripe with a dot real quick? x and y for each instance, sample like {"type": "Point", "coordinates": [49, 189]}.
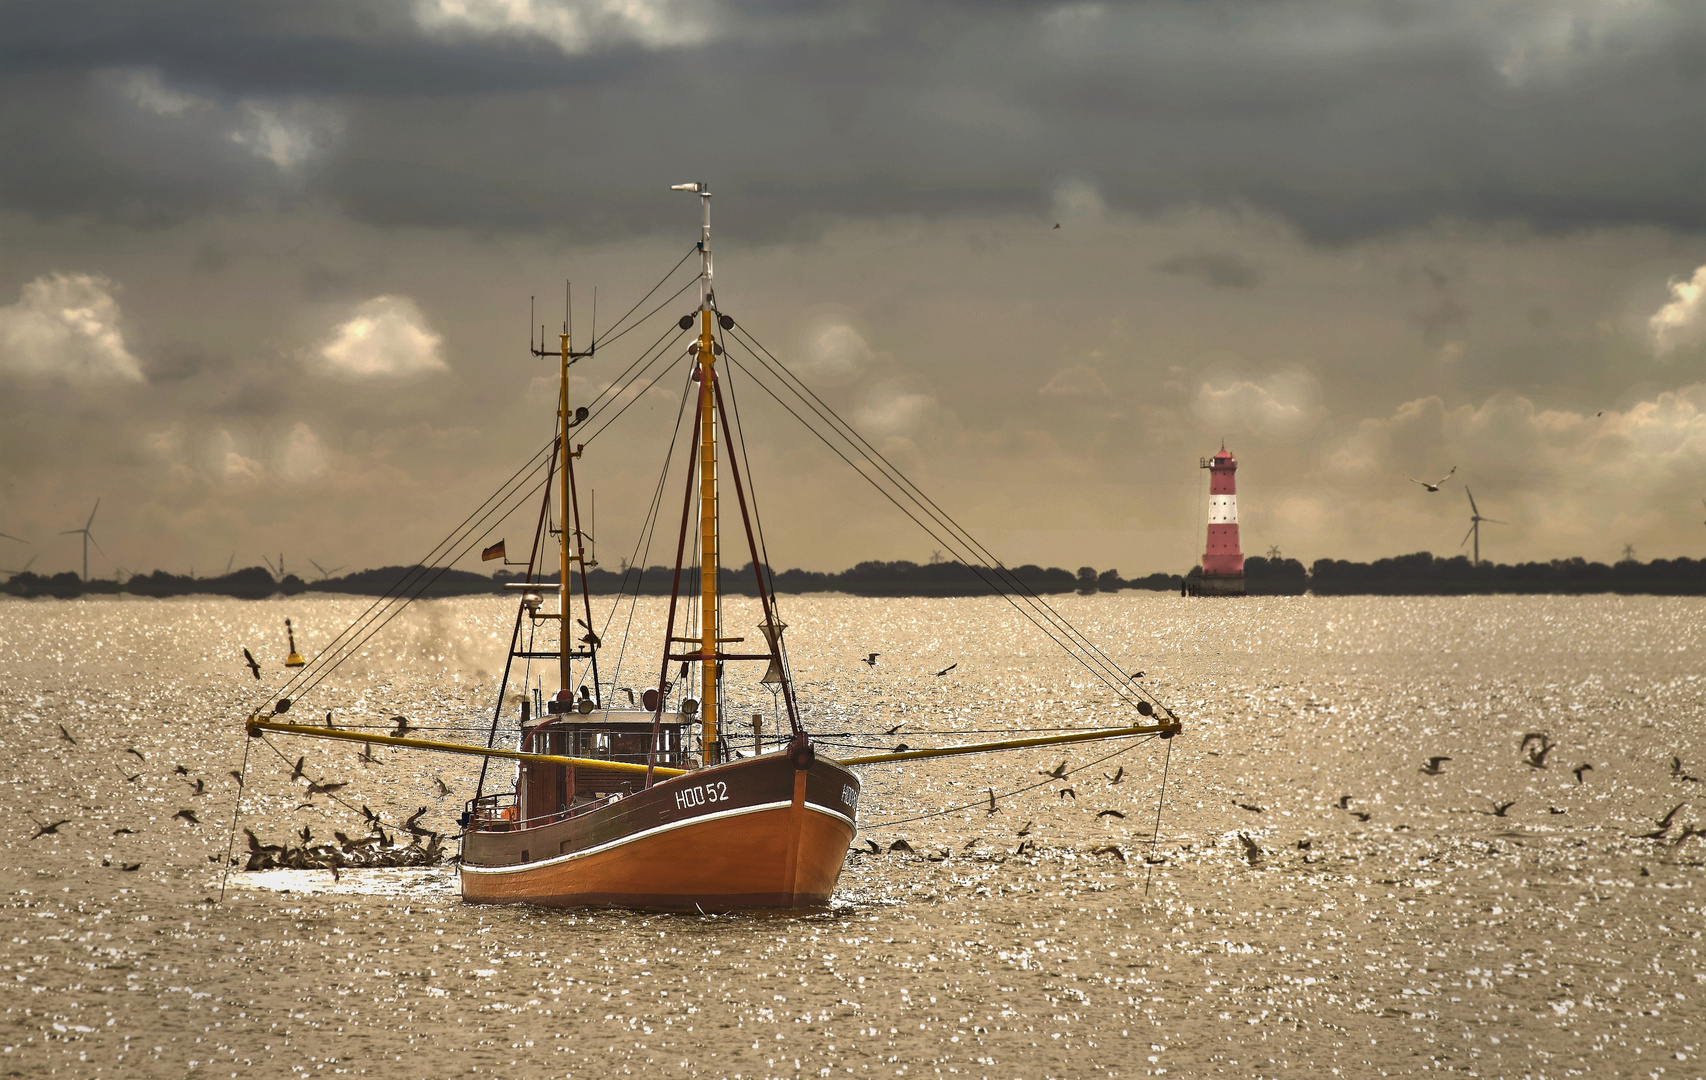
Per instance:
{"type": "Point", "coordinates": [721, 814]}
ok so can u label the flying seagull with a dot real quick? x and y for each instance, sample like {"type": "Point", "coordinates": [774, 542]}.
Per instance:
{"type": "Point", "coordinates": [254, 668]}
{"type": "Point", "coordinates": [1499, 809]}
{"type": "Point", "coordinates": [66, 735]}
{"type": "Point", "coordinates": [321, 788]}
{"type": "Point", "coordinates": [403, 726]}
{"type": "Point", "coordinates": [1432, 768]}
{"type": "Point", "coordinates": [947, 669]}
{"type": "Point", "coordinates": [871, 659]}
{"type": "Point", "coordinates": [1110, 813]}
{"type": "Point", "coordinates": [1435, 485]}
{"type": "Point", "coordinates": [1059, 772]}
{"type": "Point", "coordinates": [49, 829]}
{"type": "Point", "coordinates": [1580, 769]}
{"type": "Point", "coordinates": [1118, 773]}
{"type": "Point", "coordinates": [1664, 824]}
{"type": "Point", "coordinates": [1535, 756]}
{"type": "Point", "coordinates": [187, 816]}
{"type": "Point", "coordinates": [1110, 850]}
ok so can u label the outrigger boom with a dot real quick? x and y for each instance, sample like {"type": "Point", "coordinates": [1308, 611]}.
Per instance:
{"type": "Point", "coordinates": [1166, 729]}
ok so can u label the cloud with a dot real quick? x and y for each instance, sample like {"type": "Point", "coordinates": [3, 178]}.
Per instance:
{"type": "Point", "coordinates": [573, 26]}
{"type": "Point", "coordinates": [1078, 200]}
{"type": "Point", "coordinates": [301, 457]}
{"type": "Point", "coordinates": [1682, 322]}
{"type": "Point", "coordinates": [895, 407]}
{"type": "Point", "coordinates": [1076, 381]}
{"type": "Point", "coordinates": [386, 338]}
{"type": "Point", "coordinates": [227, 464]}
{"type": "Point", "coordinates": [1221, 269]}
{"type": "Point", "coordinates": [834, 353]}
{"type": "Point", "coordinates": [286, 133]}
{"type": "Point", "coordinates": [144, 88]}
{"type": "Point", "coordinates": [1282, 407]}
{"type": "Point", "coordinates": [67, 326]}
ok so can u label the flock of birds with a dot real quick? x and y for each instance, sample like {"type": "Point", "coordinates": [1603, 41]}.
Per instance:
{"type": "Point", "coordinates": [1534, 749]}
{"type": "Point", "coordinates": [379, 848]}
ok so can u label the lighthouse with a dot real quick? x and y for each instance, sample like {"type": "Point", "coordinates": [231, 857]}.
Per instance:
{"type": "Point", "coordinates": [1222, 560]}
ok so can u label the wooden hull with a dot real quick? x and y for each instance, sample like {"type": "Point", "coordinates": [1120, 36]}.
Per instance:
{"type": "Point", "coordinates": [754, 833]}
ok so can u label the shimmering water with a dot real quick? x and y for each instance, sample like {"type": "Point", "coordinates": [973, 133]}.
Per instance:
{"type": "Point", "coordinates": [1434, 936]}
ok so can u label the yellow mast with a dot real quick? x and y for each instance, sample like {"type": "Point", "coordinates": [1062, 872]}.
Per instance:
{"type": "Point", "coordinates": [564, 622]}
{"type": "Point", "coordinates": [708, 640]}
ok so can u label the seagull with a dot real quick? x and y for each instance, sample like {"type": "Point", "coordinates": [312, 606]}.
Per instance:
{"type": "Point", "coordinates": [973, 842]}
{"type": "Point", "coordinates": [306, 834]}
{"type": "Point", "coordinates": [1135, 675]}
{"type": "Point", "coordinates": [254, 667]}
{"type": "Point", "coordinates": [1535, 758]}
{"type": "Point", "coordinates": [1248, 806]}
{"type": "Point", "coordinates": [179, 770]}
{"type": "Point", "coordinates": [1676, 771]}
{"type": "Point", "coordinates": [1555, 810]}
{"type": "Point", "coordinates": [876, 849]}
{"type": "Point", "coordinates": [1435, 485]}
{"type": "Point", "coordinates": [322, 788]}
{"type": "Point", "coordinates": [1361, 815]}
{"type": "Point", "coordinates": [187, 816]}
{"type": "Point", "coordinates": [1664, 824]}
{"type": "Point", "coordinates": [1110, 850]}
{"type": "Point", "coordinates": [127, 776]}
{"type": "Point", "coordinates": [1111, 813]}
{"type": "Point", "coordinates": [1058, 773]}
{"type": "Point", "coordinates": [412, 824]}
{"type": "Point", "coordinates": [1056, 225]}
{"type": "Point", "coordinates": [1118, 773]}
{"type": "Point", "coordinates": [198, 787]}
{"type": "Point", "coordinates": [1025, 830]}
{"type": "Point", "coordinates": [1499, 809]}
{"type": "Point", "coordinates": [1065, 791]}
{"type": "Point", "coordinates": [134, 750]}
{"type": "Point", "coordinates": [1252, 853]}
{"type": "Point", "coordinates": [1024, 846]}
{"type": "Point", "coordinates": [367, 757]}
{"type": "Point", "coordinates": [1432, 767]}
{"type": "Point", "coordinates": [871, 659]}
{"type": "Point", "coordinates": [131, 867]}
{"type": "Point", "coordinates": [630, 692]}
{"type": "Point", "coordinates": [443, 788]}
{"type": "Point", "coordinates": [369, 816]}
{"type": "Point", "coordinates": [403, 726]}
{"type": "Point", "coordinates": [66, 735]}
{"type": "Point", "coordinates": [900, 845]}
{"type": "Point", "coordinates": [947, 669]}
{"type": "Point", "coordinates": [1344, 802]}
{"type": "Point", "coordinates": [1580, 769]}
{"type": "Point", "coordinates": [894, 730]}
{"type": "Point", "coordinates": [992, 806]}
{"type": "Point", "coordinates": [237, 776]}
{"type": "Point", "coordinates": [124, 832]}
{"type": "Point", "coordinates": [296, 772]}
{"type": "Point", "coordinates": [51, 829]}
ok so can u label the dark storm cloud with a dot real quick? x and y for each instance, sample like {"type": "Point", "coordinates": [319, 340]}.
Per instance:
{"type": "Point", "coordinates": [1346, 120]}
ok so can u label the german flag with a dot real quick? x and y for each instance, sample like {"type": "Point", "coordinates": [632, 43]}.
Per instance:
{"type": "Point", "coordinates": [496, 551]}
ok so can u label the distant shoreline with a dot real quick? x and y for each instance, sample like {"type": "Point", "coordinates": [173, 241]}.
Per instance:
{"type": "Point", "coordinates": [1420, 574]}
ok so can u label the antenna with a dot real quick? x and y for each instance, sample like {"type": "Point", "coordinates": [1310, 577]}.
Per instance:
{"type": "Point", "coordinates": [595, 316]}
{"type": "Point", "coordinates": [569, 312]}
{"type": "Point", "coordinates": [530, 316]}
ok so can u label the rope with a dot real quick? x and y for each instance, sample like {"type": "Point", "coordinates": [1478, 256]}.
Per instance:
{"type": "Point", "coordinates": [236, 807]}
{"type": "Point", "coordinates": [1156, 835]}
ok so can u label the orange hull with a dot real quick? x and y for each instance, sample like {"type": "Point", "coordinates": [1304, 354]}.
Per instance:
{"type": "Point", "coordinates": [767, 851]}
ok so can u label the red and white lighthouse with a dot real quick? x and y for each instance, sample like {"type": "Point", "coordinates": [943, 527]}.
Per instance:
{"type": "Point", "coordinates": [1222, 560]}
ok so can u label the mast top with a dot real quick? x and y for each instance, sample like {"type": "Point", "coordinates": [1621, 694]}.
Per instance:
{"type": "Point", "coordinates": [707, 299]}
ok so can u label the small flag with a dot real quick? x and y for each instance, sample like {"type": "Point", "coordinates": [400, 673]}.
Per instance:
{"type": "Point", "coordinates": [496, 551]}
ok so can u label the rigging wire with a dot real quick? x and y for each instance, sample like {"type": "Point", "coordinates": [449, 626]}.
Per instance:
{"type": "Point", "coordinates": [648, 296]}
{"type": "Point", "coordinates": [1093, 658]}
{"type": "Point", "coordinates": [984, 803]}
{"type": "Point", "coordinates": [617, 385]}
{"type": "Point", "coordinates": [635, 399]}
{"type": "Point", "coordinates": [643, 319]}
{"type": "Point", "coordinates": [401, 586]}
{"type": "Point", "coordinates": [1048, 629]}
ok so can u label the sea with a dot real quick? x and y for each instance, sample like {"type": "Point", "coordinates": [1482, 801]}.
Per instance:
{"type": "Point", "coordinates": [1306, 897]}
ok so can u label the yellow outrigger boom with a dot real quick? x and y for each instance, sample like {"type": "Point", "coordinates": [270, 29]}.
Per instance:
{"type": "Point", "coordinates": [256, 725]}
{"type": "Point", "coordinates": [1166, 729]}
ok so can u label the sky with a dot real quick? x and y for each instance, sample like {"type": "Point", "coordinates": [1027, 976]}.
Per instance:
{"type": "Point", "coordinates": [266, 270]}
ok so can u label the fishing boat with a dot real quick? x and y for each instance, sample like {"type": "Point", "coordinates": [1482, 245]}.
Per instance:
{"type": "Point", "coordinates": [661, 802]}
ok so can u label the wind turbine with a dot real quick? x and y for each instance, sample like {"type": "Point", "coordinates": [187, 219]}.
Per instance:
{"type": "Point", "coordinates": [88, 538]}
{"type": "Point", "coordinates": [1475, 520]}
{"type": "Point", "coordinates": [25, 570]}
{"type": "Point", "coordinates": [21, 540]}
{"type": "Point", "coordinates": [1274, 552]}
{"type": "Point", "coordinates": [324, 573]}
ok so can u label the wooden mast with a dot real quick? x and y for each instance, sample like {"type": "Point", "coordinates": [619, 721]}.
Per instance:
{"type": "Point", "coordinates": [565, 623]}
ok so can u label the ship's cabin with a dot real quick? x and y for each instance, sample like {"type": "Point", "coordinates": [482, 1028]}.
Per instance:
{"type": "Point", "coordinates": [545, 793]}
